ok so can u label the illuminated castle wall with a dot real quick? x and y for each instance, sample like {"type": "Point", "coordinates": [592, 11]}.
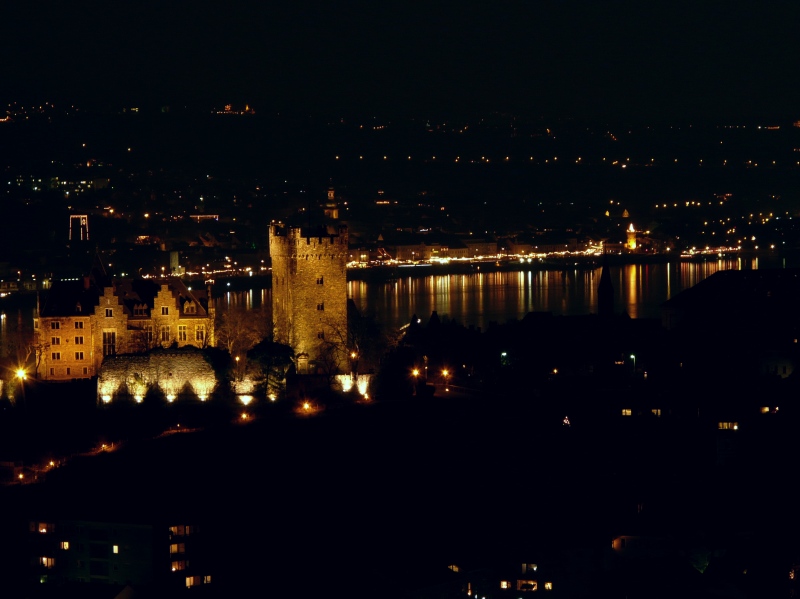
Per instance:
{"type": "Point", "coordinates": [173, 372]}
{"type": "Point", "coordinates": [309, 291]}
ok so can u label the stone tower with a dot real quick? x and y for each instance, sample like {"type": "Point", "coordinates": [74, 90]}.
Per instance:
{"type": "Point", "coordinates": [309, 293]}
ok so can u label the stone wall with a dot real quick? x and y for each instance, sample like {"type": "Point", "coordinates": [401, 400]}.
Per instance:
{"type": "Point", "coordinates": [172, 372]}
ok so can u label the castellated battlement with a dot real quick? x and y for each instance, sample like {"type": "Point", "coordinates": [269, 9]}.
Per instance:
{"type": "Point", "coordinates": [287, 241]}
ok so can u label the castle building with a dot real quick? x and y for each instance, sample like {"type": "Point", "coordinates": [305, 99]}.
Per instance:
{"type": "Point", "coordinates": [81, 322]}
{"type": "Point", "coordinates": [309, 293]}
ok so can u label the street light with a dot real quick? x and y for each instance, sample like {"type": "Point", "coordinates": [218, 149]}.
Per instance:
{"type": "Point", "coordinates": [633, 357]}
{"type": "Point", "coordinates": [445, 374]}
{"type": "Point", "coordinates": [354, 364]}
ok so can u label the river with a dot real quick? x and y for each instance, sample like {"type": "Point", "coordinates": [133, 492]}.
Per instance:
{"type": "Point", "coordinates": [478, 299]}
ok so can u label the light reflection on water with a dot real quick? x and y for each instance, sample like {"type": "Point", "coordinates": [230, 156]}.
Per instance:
{"type": "Point", "coordinates": [480, 298]}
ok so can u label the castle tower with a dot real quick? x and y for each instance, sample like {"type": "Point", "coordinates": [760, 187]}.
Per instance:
{"type": "Point", "coordinates": [631, 238]}
{"type": "Point", "coordinates": [309, 293]}
{"type": "Point", "coordinates": [331, 209]}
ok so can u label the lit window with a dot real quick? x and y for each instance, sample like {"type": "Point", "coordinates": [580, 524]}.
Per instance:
{"type": "Point", "coordinates": [181, 332]}
{"type": "Point", "coordinates": [206, 578]}
{"type": "Point", "coordinates": [109, 312]}
{"type": "Point", "coordinates": [656, 411]}
{"type": "Point", "coordinates": [115, 549]}
{"type": "Point", "coordinates": [548, 586]}
{"type": "Point", "coordinates": [176, 548]}
{"type": "Point", "coordinates": [164, 311]}
{"type": "Point", "coordinates": [65, 545]}
{"type": "Point", "coordinates": [453, 567]}
{"type": "Point", "coordinates": [627, 412]}
{"type": "Point", "coordinates": [178, 565]}
{"type": "Point", "coordinates": [504, 584]}
{"type": "Point", "coordinates": [192, 581]}
{"type": "Point", "coordinates": [529, 568]}
{"type": "Point", "coordinates": [109, 343]}
{"type": "Point", "coordinates": [527, 585]}
{"type": "Point", "coordinates": [42, 527]}
{"type": "Point", "coordinates": [47, 562]}
{"type": "Point", "coordinates": [728, 426]}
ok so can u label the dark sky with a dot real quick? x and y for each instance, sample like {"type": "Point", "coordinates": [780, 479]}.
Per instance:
{"type": "Point", "coordinates": [598, 58]}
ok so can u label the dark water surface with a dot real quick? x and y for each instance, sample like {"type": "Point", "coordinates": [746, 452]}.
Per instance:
{"type": "Point", "coordinates": [480, 298]}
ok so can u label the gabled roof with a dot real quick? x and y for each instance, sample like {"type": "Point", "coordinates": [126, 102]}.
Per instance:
{"type": "Point", "coordinates": [144, 291]}
{"type": "Point", "coordinates": [74, 298]}
{"type": "Point", "coordinates": [70, 298]}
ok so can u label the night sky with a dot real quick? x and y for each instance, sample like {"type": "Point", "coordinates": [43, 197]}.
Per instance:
{"type": "Point", "coordinates": [579, 59]}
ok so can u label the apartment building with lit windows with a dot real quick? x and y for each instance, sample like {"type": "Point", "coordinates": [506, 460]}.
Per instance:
{"type": "Point", "coordinates": [162, 555]}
